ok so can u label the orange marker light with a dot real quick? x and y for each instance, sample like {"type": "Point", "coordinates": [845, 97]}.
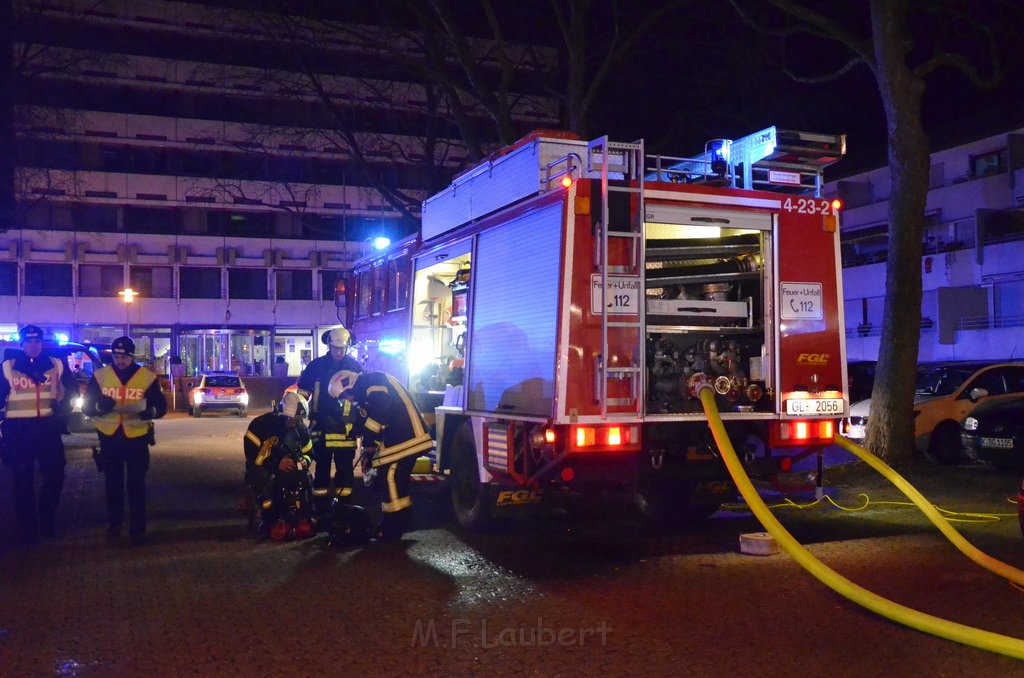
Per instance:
{"type": "Point", "coordinates": [837, 204]}
{"type": "Point", "coordinates": [566, 181]}
{"type": "Point", "coordinates": [614, 436]}
{"type": "Point", "coordinates": [549, 436]}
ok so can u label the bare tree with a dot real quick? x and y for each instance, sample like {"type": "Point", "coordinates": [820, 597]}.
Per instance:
{"type": "Point", "coordinates": [27, 58]}
{"type": "Point", "coordinates": [902, 42]}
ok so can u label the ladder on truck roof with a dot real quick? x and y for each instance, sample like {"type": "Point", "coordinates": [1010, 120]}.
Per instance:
{"type": "Point", "coordinates": [625, 160]}
{"type": "Point", "coordinates": [774, 160]}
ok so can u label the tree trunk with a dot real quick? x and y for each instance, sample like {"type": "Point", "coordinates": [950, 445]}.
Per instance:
{"type": "Point", "coordinates": [891, 424]}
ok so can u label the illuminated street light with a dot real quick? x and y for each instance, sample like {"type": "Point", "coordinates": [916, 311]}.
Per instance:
{"type": "Point", "coordinates": [127, 296]}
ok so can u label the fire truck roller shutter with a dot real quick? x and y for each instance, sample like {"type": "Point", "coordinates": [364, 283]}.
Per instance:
{"type": "Point", "coordinates": [514, 319]}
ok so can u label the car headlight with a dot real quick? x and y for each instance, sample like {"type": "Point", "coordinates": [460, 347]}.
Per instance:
{"type": "Point", "coordinates": [199, 397]}
{"type": "Point", "coordinates": [970, 424]}
{"type": "Point", "coordinates": [77, 403]}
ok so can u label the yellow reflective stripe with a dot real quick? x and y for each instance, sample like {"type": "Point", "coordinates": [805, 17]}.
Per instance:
{"type": "Point", "coordinates": [249, 435]}
{"type": "Point", "coordinates": [376, 389]}
{"type": "Point", "coordinates": [345, 491]}
{"type": "Point", "coordinates": [340, 443]}
{"type": "Point", "coordinates": [387, 456]}
{"type": "Point", "coordinates": [397, 502]}
{"type": "Point", "coordinates": [265, 449]}
{"type": "Point", "coordinates": [269, 503]}
{"type": "Point", "coordinates": [372, 425]}
{"type": "Point", "coordinates": [410, 407]}
{"type": "Point", "coordinates": [396, 506]}
{"type": "Point", "coordinates": [320, 492]}
{"type": "Point", "coordinates": [334, 436]}
{"type": "Point", "coordinates": [307, 447]}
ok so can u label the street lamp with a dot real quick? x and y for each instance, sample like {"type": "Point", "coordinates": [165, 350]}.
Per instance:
{"type": "Point", "coordinates": [128, 296]}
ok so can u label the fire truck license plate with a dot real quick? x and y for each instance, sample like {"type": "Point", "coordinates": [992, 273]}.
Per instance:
{"type": "Point", "coordinates": [814, 407]}
{"type": "Point", "coordinates": [1001, 443]}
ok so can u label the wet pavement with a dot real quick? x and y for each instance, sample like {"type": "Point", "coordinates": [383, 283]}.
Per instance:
{"type": "Point", "coordinates": [558, 598]}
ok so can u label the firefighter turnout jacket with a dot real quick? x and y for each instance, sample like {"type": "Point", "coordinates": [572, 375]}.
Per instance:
{"type": "Point", "coordinates": [269, 439]}
{"type": "Point", "coordinates": [387, 418]}
{"type": "Point", "coordinates": [328, 416]}
{"type": "Point", "coordinates": [137, 399]}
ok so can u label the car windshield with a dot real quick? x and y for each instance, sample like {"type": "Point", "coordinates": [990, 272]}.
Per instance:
{"type": "Point", "coordinates": [220, 380]}
{"type": "Point", "coordinates": [941, 381]}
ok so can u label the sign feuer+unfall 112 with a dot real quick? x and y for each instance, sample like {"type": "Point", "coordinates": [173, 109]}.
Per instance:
{"type": "Point", "coordinates": [621, 298]}
{"type": "Point", "coordinates": [801, 301]}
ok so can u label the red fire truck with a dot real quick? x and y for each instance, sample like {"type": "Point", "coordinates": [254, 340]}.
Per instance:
{"type": "Point", "coordinates": [566, 300]}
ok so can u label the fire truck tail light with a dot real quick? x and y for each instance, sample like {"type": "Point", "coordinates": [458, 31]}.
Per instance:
{"type": "Point", "coordinates": [549, 436]}
{"type": "Point", "coordinates": [801, 430]}
{"type": "Point", "coordinates": [807, 430]}
{"type": "Point", "coordinates": [604, 436]}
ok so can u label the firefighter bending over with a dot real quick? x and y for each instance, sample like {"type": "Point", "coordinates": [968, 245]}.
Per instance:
{"type": "Point", "coordinates": [393, 434]}
{"type": "Point", "coordinates": [277, 448]}
{"type": "Point", "coordinates": [330, 419]}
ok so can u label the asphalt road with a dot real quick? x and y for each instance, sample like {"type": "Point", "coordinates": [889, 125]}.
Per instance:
{"type": "Point", "coordinates": [541, 598]}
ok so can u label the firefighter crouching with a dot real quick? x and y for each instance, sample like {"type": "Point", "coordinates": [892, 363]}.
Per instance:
{"type": "Point", "coordinates": [123, 398]}
{"type": "Point", "coordinates": [330, 419]}
{"type": "Point", "coordinates": [277, 457]}
{"type": "Point", "coordinates": [393, 434]}
{"type": "Point", "coordinates": [34, 390]}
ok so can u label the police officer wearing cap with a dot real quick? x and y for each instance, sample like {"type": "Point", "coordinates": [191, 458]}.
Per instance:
{"type": "Point", "coordinates": [330, 419]}
{"type": "Point", "coordinates": [123, 398]}
{"type": "Point", "coordinates": [35, 390]}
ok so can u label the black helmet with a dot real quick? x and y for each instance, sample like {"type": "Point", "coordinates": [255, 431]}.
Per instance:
{"type": "Point", "coordinates": [30, 332]}
{"type": "Point", "coordinates": [123, 346]}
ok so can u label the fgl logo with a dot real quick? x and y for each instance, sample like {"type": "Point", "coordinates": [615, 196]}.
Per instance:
{"type": "Point", "coordinates": [518, 497]}
{"type": "Point", "coordinates": [812, 359]}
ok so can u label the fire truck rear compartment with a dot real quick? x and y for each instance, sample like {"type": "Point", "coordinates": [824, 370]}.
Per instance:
{"type": "Point", "coordinates": [705, 310]}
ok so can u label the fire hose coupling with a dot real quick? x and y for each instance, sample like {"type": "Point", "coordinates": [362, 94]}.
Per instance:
{"type": "Point", "coordinates": [698, 382]}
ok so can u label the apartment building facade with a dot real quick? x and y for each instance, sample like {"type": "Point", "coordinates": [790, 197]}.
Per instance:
{"type": "Point", "coordinates": [973, 263]}
{"type": "Point", "coordinates": [166, 148]}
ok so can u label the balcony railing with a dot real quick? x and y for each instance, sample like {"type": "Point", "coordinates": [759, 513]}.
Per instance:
{"type": "Point", "coordinates": [982, 322]}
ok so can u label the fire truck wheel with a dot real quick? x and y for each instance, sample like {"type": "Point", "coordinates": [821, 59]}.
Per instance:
{"type": "Point", "coordinates": [469, 496]}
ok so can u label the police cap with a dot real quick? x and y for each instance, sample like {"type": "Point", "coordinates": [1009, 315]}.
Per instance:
{"type": "Point", "coordinates": [30, 332]}
{"type": "Point", "coordinates": [123, 346]}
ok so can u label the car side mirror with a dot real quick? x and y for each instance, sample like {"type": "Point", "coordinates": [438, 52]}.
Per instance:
{"type": "Point", "coordinates": [977, 394]}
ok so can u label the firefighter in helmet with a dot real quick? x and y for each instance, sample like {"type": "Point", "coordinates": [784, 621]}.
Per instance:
{"type": "Point", "coordinates": [123, 398]}
{"type": "Point", "coordinates": [34, 391]}
{"type": "Point", "coordinates": [393, 434]}
{"type": "Point", "coordinates": [330, 419]}
{"type": "Point", "coordinates": [277, 458]}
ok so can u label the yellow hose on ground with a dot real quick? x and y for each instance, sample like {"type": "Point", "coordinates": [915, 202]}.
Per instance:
{"type": "Point", "coordinates": [991, 564]}
{"type": "Point", "coordinates": [985, 640]}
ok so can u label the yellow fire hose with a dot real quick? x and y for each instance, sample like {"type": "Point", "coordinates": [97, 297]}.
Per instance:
{"type": "Point", "coordinates": [985, 640]}
{"type": "Point", "coordinates": [991, 564]}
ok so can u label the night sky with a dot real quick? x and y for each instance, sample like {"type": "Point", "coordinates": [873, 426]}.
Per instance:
{"type": "Point", "coordinates": [714, 76]}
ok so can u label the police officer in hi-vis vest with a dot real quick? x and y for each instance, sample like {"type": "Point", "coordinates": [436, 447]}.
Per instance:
{"type": "Point", "coordinates": [123, 398]}
{"type": "Point", "coordinates": [34, 389]}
